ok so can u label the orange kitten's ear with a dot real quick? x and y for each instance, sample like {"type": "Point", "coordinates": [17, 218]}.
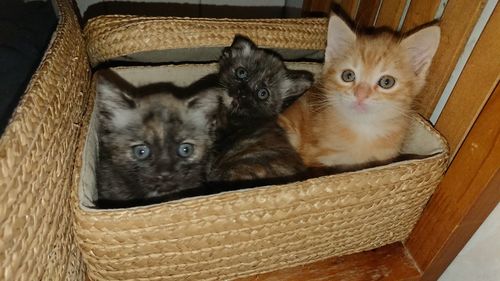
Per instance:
{"type": "Point", "coordinates": [421, 47]}
{"type": "Point", "coordinates": [340, 38]}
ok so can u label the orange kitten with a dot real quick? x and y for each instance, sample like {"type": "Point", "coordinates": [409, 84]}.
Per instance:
{"type": "Point", "coordinates": [357, 112]}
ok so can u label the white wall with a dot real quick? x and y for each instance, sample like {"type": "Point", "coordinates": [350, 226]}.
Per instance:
{"type": "Point", "coordinates": [479, 260]}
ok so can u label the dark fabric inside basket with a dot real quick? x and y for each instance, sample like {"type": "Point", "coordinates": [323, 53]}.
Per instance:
{"type": "Point", "coordinates": [25, 32]}
{"type": "Point", "coordinates": [202, 55]}
{"type": "Point", "coordinates": [199, 10]}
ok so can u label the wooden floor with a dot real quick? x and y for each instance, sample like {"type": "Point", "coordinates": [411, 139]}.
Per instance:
{"type": "Point", "coordinates": [389, 263]}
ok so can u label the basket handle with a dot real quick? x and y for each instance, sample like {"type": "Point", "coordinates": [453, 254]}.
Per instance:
{"type": "Point", "coordinates": [114, 36]}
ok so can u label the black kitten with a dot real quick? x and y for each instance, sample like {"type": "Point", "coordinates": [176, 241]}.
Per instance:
{"type": "Point", "coordinates": [154, 141]}
{"type": "Point", "coordinates": [252, 146]}
{"type": "Point", "coordinates": [258, 81]}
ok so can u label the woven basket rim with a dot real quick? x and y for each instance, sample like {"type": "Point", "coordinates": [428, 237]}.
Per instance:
{"type": "Point", "coordinates": [201, 19]}
{"type": "Point", "coordinates": [186, 202]}
{"type": "Point", "coordinates": [113, 36]}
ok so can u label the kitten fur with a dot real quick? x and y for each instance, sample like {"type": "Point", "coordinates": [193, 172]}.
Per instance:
{"type": "Point", "coordinates": [161, 116]}
{"type": "Point", "coordinates": [359, 123]}
{"type": "Point", "coordinates": [253, 146]}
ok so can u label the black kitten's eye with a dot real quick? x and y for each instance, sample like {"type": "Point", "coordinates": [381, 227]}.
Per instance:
{"type": "Point", "coordinates": [141, 151]}
{"type": "Point", "coordinates": [241, 73]}
{"type": "Point", "coordinates": [348, 75]}
{"type": "Point", "coordinates": [263, 94]}
{"type": "Point", "coordinates": [386, 82]}
{"type": "Point", "coordinates": [185, 150]}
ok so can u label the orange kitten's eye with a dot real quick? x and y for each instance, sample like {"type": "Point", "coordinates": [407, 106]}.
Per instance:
{"type": "Point", "coordinates": [386, 82]}
{"type": "Point", "coordinates": [348, 75]}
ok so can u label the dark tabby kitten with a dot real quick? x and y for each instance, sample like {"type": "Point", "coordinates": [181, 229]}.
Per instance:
{"type": "Point", "coordinates": [253, 146]}
{"type": "Point", "coordinates": [154, 140]}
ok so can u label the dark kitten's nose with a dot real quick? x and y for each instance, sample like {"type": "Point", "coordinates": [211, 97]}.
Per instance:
{"type": "Point", "coordinates": [165, 176]}
{"type": "Point", "coordinates": [241, 93]}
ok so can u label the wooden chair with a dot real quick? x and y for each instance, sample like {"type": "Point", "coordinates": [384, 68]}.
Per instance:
{"type": "Point", "coordinates": [470, 120]}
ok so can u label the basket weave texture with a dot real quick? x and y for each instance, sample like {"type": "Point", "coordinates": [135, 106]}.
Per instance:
{"type": "Point", "coordinates": [246, 232]}
{"type": "Point", "coordinates": [113, 36]}
{"type": "Point", "coordinates": [37, 152]}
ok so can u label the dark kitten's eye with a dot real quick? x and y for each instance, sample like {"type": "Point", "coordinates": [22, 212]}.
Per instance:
{"type": "Point", "coordinates": [141, 151]}
{"type": "Point", "coordinates": [386, 82]}
{"type": "Point", "coordinates": [263, 94]}
{"type": "Point", "coordinates": [185, 150]}
{"type": "Point", "coordinates": [241, 73]}
{"type": "Point", "coordinates": [348, 75]}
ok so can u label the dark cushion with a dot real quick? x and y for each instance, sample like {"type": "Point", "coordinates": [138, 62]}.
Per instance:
{"type": "Point", "coordinates": [25, 32]}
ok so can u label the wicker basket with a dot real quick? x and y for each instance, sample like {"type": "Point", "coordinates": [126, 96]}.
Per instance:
{"type": "Point", "coordinates": [241, 233]}
{"type": "Point", "coordinates": [37, 151]}
{"type": "Point", "coordinates": [144, 38]}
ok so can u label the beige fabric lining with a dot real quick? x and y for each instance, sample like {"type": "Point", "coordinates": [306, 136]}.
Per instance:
{"type": "Point", "coordinates": [420, 141]}
{"type": "Point", "coordinates": [209, 54]}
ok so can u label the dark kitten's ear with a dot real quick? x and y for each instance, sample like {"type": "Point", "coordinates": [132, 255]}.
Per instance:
{"type": "Point", "coordinates": [114, 97]}
{"type": "Point", "coordinates": [243, 44]}
{"type": "Point", "coordinates": [206, 107]}
{"type": "Point", "coordinates": [226, 52]}
{"type": "Point", "coordinates": [113, 91]}
{"type": "Point", "coordinates": [298, 82]}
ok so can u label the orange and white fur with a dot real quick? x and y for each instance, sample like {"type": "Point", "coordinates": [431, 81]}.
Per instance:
{"type": "Point", "coordinates": [357, 112]}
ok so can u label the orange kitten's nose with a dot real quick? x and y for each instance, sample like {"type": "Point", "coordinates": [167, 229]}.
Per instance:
{"type": "Point", "coordinates": [362, 91]}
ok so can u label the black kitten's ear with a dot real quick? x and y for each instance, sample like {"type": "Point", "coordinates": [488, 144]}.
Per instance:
{"type": "Point", "coordinates": [226, 52]}
{"type": "Point", "coordinates": [114, 98]}
{"type": "Point", "coordinates": [299, 81]}
{"type": "Point", "coordinates": [243, 43]}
